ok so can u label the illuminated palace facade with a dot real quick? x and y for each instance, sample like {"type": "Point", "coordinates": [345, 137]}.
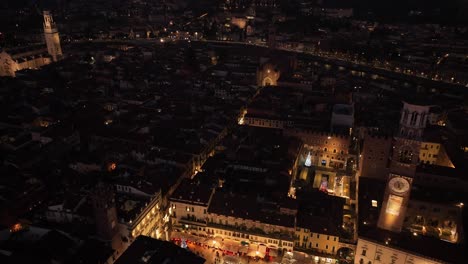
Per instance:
{"type": "Point", "coordinates": [325, 161]}
{"type": "Point", "coordinates": [218, 216]}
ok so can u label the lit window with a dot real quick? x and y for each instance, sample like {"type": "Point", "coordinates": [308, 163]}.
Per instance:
{"type": "Point", "coordinates": [374, 203]}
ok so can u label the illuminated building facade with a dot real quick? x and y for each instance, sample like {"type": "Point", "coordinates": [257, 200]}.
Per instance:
{"type": "Point", "coordinates": [274, 230]}
{"type": "Point", "coordinates": [368, 252]}
{"type": "Point", "coordinates": [217, 215]}
{"type": "Point", "coordinates": [443, 221]}
{"type": "Point", "coordinates": [148, 220]}
{"type": "Point", "coordinates": [326, 161]}
{"type": "Point", "coordinates": [189, 206]}
{"type": "Point", "coordinates": [312, 236]}
{"type": "Point", "coordinates": [268, 75]}
{"type": "Point", "coordinates": [33, 57]}
{"type": "Point", "coordinates": [326, 150]}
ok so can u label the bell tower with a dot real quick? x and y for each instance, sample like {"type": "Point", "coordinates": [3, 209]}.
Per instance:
{"type": "Point", "coordinates": [408, 142]}
{"type": "Point", "coordinates": [52, 37]}
{"type": "Point", "coordinates": [413, 120]}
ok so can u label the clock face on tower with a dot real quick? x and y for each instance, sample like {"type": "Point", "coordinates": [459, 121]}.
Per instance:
{"type": "Point", "coordinates": [399, 185]}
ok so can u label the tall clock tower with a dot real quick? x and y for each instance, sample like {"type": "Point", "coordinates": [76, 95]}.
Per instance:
{"type": "Point", "coordinates": [405, 159]}
{"type": "Point", "coordinates": [52, 37]}
{"type": "Point", "coordinates": [396, 197]}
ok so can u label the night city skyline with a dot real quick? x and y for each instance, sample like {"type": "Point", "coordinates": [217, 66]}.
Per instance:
{"type": "Point", "coordinates": [233, 131]}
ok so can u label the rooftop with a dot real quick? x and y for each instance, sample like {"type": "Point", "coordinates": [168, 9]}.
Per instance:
{"type": "Point", "coordinates": [420, 245]}
{"type": "Point", "coordinates": [192, 192]}
{"type": "Point", "coordinates": [316, 224]}
{"type": "Point", "coordinates": [152, 251]}
{"type": "Point", "coordinates": [247, 208]}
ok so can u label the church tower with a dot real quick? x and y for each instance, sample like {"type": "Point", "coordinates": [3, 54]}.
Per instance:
{"type": "Point", "coordinates": [52, 37]}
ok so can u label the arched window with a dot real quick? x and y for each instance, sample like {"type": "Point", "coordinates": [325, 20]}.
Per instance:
{"type": "Point", "coordinates": [414, 117]}
{"type": "Point", "coordinates": [405, 116]}
{"type": "Point", "coordinates": [422, 120]}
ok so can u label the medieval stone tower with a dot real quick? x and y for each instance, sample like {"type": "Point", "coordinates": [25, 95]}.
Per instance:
{"type": "Point", "coordinates": [105, 213]}
{"type": "Point", "coordinates": [52, 37]}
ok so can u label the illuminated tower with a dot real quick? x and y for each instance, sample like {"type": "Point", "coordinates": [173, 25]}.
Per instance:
{"type": "Point", "coordinates": [413, 120]}
{"type": "Point", "coordinates": [405, 159]}
{"type": "Point", "coordinates": [407, 144]}
{"type": "Point", "coordinates": [52, 37]}
{"type": "Point", "coordinates": [395, 202]}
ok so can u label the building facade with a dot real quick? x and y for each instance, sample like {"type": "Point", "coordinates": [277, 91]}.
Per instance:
{"type": "Point", "coordinates": [320, 242]}
{"type": "Point", "coordinates": [33, 57]}
{"type": "Point", "coordinates": [369, 252]}
{"type": "Point", "coordinates": [150, 221]}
